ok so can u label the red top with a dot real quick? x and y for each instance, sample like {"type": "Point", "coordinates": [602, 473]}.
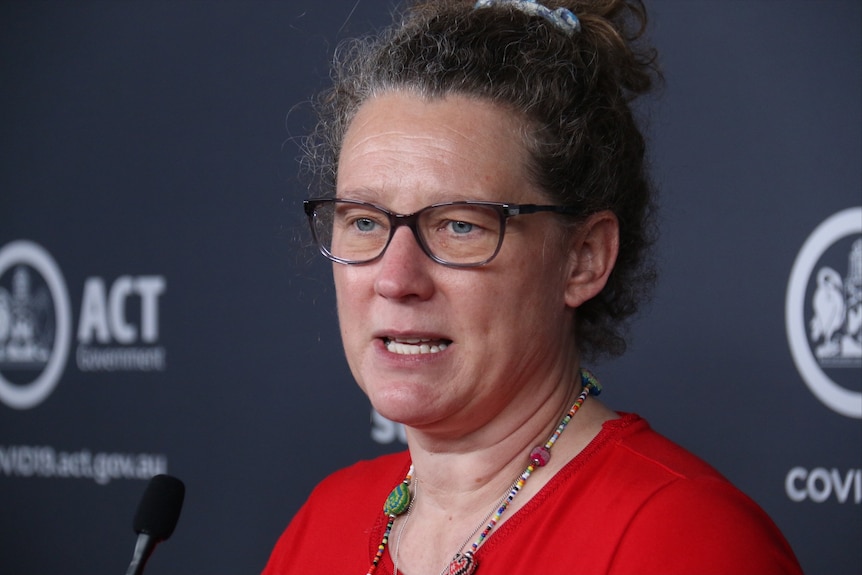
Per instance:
{"type": "Point", "coordinates": [632, 502]}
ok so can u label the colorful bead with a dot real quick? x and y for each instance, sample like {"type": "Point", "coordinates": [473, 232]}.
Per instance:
{"type": "Point", "coordinates": [463, 564]}
{"type": "Point", "coordinates": [540, 456]}
{"type": "Point", "coordinates": [398, 501]}
{"type": "Point", "coordinates": [591, 381]}
{"type": "Point", "coordinates": [382, 547]}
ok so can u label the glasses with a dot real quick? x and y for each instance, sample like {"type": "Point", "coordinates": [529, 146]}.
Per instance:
{"type": "Point", "coordinates": [456, 234]}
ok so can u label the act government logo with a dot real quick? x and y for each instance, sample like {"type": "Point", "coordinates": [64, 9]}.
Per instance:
{"type": "Point", "coordinates": [35, 324]}
{"type": "Point", "coordinates": [823, 312]}
{"type": "Point", "coordinates": [118, 324]}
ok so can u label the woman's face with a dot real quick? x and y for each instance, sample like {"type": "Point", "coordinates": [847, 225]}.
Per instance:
{"type": "Point", "coordinates": [489, 338]}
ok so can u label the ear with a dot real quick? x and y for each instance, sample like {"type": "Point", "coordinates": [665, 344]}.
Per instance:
{"type": "Point", "coordinates": [593, 252]}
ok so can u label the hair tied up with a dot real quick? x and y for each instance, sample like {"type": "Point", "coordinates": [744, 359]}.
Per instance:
{"type": "Point", "coordinates": [562, 18]}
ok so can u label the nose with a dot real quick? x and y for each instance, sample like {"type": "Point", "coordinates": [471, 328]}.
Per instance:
{"type": "Point", "coordinates": [403, 271]}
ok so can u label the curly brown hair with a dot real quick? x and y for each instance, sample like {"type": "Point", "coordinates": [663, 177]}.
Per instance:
{"type": "Point", "coordinates": [574, 93]}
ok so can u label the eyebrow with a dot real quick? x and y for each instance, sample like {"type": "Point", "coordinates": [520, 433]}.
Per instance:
{"type": "Point", "coordinates": [429, 198]}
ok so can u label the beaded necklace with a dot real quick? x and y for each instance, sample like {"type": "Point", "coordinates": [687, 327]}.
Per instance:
{"type": "Point", "coordinates": [407, 518]}
{"type": "Point", "coordinates": [465, 563]}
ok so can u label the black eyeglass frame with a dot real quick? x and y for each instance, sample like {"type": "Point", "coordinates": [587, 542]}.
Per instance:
{"type": "Point", "coordinates": [504, 210]}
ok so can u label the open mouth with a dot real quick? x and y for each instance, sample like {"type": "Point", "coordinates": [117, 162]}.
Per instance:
{"type": "Point", "coordinates": [415, 346]}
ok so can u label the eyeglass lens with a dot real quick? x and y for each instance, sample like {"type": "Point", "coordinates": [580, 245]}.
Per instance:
{"type": "Point", "coordinates": [461, 234]}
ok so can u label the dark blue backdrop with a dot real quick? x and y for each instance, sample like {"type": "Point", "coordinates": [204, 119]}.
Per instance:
{"type": "Point", "coordinates": [148, 176]}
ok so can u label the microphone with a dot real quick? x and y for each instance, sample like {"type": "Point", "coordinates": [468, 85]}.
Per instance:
{"type": "Point", "coordinates": [156, 518]}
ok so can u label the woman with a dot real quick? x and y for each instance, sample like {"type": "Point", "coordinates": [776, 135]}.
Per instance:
{"type": "Point", "coordinates": [490, 235]}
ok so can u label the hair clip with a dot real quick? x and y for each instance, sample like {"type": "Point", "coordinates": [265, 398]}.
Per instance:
{"type": "Point", "coordinates": [562, 18]}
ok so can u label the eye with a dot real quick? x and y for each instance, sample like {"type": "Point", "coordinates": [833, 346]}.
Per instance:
{"type": "Point", "coordinates": [461, 227]}
{"type": "Point", "coordinates": [365, 224]}
{"type": "Point", "coordinates": [360, 219]}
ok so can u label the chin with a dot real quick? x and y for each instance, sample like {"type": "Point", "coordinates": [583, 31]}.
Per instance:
{"type": "Point", "coordinates": [401, 408]}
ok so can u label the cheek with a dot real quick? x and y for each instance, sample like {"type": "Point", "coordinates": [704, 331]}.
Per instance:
{"type": "Point", "coordinates": [540, 297]}
{"type": "Point", "coordinates": [350, 282]}
{"type": "Point", "coordinates": [347, 297]}
{"type": "Point", "coordinates": [494, 304]}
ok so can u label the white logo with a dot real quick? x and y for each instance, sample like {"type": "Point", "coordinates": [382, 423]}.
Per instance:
{"type": "Point", "coordinates": [35, 324]}
{"type": "Point", "coordinates": [824, 312]}
{"type": "Point", "coordinates": [110, 340]}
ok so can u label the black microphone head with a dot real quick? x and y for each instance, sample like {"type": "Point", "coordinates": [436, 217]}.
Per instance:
{"type": "Point", "coordinates": [159, 509]}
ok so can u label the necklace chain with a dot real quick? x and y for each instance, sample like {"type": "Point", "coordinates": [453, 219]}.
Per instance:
{"type": "Point", "coordinates": [401, 501]}
{"type": "Point", "coordinates": [403, 527]}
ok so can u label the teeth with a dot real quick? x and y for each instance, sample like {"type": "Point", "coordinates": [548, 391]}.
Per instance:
{"type": "Point", "coordinates": [414, 346]}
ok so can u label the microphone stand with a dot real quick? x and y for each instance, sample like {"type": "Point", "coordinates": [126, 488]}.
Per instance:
{"type": "Point", "coordinates": [143, 549]}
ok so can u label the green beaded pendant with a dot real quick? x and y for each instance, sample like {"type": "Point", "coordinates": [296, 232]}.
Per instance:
{"type": "Point", "coordinates": [398, 500]}
{"type": "Point", "coordinates": [588, 379]}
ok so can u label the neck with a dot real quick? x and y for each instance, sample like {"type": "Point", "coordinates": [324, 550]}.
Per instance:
{"type": "Point", "coordinates": [460, 483]}
{"type": "Point", "coordinates": [471, 471]}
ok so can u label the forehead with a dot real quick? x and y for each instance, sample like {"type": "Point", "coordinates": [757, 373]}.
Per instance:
{"type": "Point", "coordinates": [446, 147]}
